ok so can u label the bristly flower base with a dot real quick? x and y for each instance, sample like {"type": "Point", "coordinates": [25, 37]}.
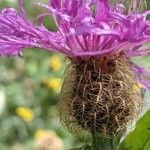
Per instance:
{"type": "Point", "coordinates": [99, 96]}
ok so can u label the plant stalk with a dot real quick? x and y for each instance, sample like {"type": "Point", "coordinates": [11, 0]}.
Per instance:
{"type": "Point", "coordinates": [105, 143]}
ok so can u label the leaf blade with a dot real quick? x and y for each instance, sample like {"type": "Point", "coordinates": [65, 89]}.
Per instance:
{"type": "Point", "coordinates": [140, 137]}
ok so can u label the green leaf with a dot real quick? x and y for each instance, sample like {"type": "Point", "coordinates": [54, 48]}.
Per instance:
{"type": "Point", "coordinates": [139, 139]}
{"type": "Point", "coordinates": [85, 147]}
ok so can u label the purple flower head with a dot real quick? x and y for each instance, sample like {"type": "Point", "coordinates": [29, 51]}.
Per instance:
{"type": "Point", "coordinates": [85, 28]}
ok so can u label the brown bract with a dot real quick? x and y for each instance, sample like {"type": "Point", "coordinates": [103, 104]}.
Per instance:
{"type": "Point", "coordinates": [98, 96]}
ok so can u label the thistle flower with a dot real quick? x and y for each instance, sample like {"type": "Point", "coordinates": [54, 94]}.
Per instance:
{"type": "Point", "coordinates": [100, 39]}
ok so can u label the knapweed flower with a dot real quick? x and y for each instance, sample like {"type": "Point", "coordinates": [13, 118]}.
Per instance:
{"type": "Point", "coordinates": [25, 113]}
{"type": "Point", "coordinates": [100, 39]}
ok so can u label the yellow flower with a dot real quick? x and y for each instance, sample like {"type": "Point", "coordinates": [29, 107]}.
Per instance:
{"type": "Point", "coordinates": [55, 84]}
{"type": "Point", "coordinates": [55, 63]}
{"type": "Point", "coordinates": [25, 113]}
{"type": "Point", "coordinates": [137, 87]}
{"type": "Point", "coordinates": [41, 133]}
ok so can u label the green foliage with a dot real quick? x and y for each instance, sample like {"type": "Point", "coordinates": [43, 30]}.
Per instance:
{"type": "Point", "coordinates": [139, 139]}
{"type": "Point", "coordinates": [24, 82]}
{"type": "Point", "coordinates": [85, 147]}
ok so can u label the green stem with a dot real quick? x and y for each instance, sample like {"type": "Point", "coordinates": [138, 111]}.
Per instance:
{"type": "Point", "coordinates": [104, 143]}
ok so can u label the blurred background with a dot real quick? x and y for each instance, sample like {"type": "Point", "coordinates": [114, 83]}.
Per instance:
{"type": "Point", "coordinates": [29, 89]}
